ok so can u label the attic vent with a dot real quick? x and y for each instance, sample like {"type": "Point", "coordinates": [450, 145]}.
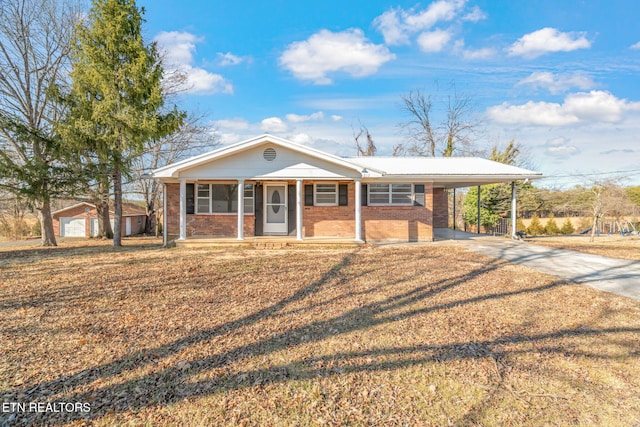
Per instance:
{"type": "Point", "coordinates": [269, 154]}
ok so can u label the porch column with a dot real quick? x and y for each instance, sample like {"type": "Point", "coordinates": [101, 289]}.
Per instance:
{"type": "Point", "coordinates": [183, 209]}
{"type": "Point", "coordinates": [479, 209]}
{"type": "Point", "coordinates": [164, 214]}
{"type": "Point", "coordinates": [241, 209]}
{"type": "Point", "coordinates": [513, 210]}
{"type": "Point", "coordinates": [358, 203]}
{"type": "Point", "coordinates": [298, 209]}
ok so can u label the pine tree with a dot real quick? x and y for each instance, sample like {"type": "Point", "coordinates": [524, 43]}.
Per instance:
{"type": "Point", "coordinates": [551, 227]}
{"type": "Point", "coordinates": [535, 228]}
{"type": "Point", "coordinates": [116, 98]}
{"type": "Point", "coordinates": [567, 227]}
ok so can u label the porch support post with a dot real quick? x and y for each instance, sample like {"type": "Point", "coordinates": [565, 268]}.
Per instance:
{"type": "Point", "coordinates": [164, 214]}
{"type": "Point", "coordinates": [183, 209]}
{"type": "Point", "coordinates": [513, 210]}
{"type": "Point", "coordinates": [241, 209]}
{"type": "Point", "coordinates": [358, 204]}
{"type": "Point", "coordinates": [298, 209]}
{"type": "Point", "coordinates": [479, 209]}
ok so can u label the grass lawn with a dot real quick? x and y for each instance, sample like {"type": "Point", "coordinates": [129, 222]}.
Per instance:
{"type": "Point", "coordinates": [613, 246]}
{"type": "Point", "coordinates": [429, 335]}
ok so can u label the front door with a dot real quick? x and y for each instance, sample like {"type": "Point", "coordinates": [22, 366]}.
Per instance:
{"type": "Point", "coordinates": [275, 209]}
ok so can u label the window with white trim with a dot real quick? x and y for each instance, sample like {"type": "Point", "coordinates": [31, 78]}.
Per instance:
{"type": "Point", "coordinates": [325, 194]}
{"type": "Point", "coordinates": [223, 198]}
{"type": "Point", "coordinates": [203, 198]}
{"type": "Point", "coordinates": [248, 199]}
{"type": "Point", "coordinates": [400, 194]}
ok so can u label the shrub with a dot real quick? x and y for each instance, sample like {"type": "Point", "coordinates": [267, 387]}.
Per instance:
{"type": "Point", "coordinates": [535, 228]}
{"type": "Point", "coordinates": [520, 225]}
{"type": "Point", "coordinates": [551, 228]}
{"type": "Point", "coordinates": [567, 227]}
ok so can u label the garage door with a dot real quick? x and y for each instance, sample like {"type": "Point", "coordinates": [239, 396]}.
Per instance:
{"type": "Point", "coordinates": [72, 227]}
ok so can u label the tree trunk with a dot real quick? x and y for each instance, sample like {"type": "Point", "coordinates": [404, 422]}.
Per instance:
{"type": "Point", "coordinates": [594, 228]}
{"type": "Point", "coordinates": [46, 224]}
{"type": "Point", "coordinates": [150, 223]}
{"type": "Point", "coordinates": [117, 194]}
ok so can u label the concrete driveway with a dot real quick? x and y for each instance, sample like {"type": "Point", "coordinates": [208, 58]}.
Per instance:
{"type": "Point", "coordinates": [621, 277]}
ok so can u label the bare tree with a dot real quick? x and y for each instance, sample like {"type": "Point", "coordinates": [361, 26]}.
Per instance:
{"type": "Point", "coordinates": [453, 135]}
{"type": "Point", "coordinates": [192, 138]}
{"type": "Point", "coordinates": [364, 149]}
{"type": "Point", "coordinates": [34, 51]}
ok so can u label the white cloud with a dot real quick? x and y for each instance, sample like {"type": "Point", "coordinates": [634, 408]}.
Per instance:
{"type": "Point", "coordinates": [557, 83]}
{"type": "Point", "coordinates": [588, 107]}
{"type": "Point", "coordinates": [178, 50]}
{"type": "Point", "coordinates": [295, 118]}
{"type": "Point", "coordinates": [273, 124]}
{"type": "Point", "coordinates": [598, 106]}
{"type": "Point", "coordinates": [434, 41]}
{"type": "Point", "coordinates": [398, 25]}
{"type": "Point", "coordinates": [560, 147]}
{"type": "Point", "coordinates": [635, 46]}
{"type": "Point", "coordinates": [226, 59]}
{"type": "Point", "coordinates": [391, 28]}
{"type": "Point", "coordinates": [301, 138]}
{"type": "Point", "coordinates": [476, 14]}
{"type": "Point", "coordinates": [438, 11]}
{"type": "Point", "coordinates": [348, 51]}
{"type": "Point", "coordinates": [548, 40]}
{"type": "Point", "coordinates": [532, 113]}
{"type": "Point", "coordinates": [336, 118]}
{"type": "Point", "coordinates": [232, 124]}
{"type": "Point", "coordinates": [472, 54]}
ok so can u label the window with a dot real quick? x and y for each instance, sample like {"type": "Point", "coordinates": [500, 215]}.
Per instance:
{"type": "Point", "coordinates": [390, 194]}
{"type": "Point", "coordinates": [248, 199]}
{"type": "Point", "coordinates": [326, 195]}
{"type": "Point", "coordinates": [203, 198]}
{"type": "Point", "coordinates": [223, 198]}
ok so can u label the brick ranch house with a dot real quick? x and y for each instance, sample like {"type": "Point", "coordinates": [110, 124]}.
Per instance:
{"type": "Point", "coordinates": [287, 189]}
{"type": "Point", "coordinates": [81, 220]}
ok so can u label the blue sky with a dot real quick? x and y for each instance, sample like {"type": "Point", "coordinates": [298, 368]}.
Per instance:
{"type": "Point", "coordinates": [562, 78]}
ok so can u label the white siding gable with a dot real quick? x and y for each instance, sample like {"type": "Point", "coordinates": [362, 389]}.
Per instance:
{"type": "Point", "coordinates": [251, 163]}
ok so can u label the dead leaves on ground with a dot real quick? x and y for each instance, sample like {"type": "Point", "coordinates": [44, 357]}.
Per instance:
{"type": "Point", "coordinates": [424, 335]}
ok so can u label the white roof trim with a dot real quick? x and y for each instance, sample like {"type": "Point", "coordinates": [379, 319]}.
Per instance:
{"type": "Point", "coordinates": [173, 170]}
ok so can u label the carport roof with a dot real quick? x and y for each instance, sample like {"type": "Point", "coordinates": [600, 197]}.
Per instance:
{"type": "Point", "coordinates": [446, 172]}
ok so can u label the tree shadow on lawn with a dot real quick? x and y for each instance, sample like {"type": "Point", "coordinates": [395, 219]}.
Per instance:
{"type": "Point", "coordinates": [177, 383]}
{"type": "Point", "coordinates": [61, 252]}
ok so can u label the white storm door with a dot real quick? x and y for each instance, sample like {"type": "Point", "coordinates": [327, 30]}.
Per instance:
{"type": "Point", "coordinates": [275, 209]}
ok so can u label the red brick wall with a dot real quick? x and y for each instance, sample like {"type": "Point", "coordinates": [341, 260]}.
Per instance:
{"type": "Point", "coordinates": [440, 208]}
{"type": "Point", "coordinates": [399, 223]}
{"type": "Point", "coordinates": [330, 221]}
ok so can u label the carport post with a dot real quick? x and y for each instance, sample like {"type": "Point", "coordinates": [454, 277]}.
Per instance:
{"type": "Point", "coordinates": [513, 210]}
{"type": "Point", "coordinates": [478, 209]}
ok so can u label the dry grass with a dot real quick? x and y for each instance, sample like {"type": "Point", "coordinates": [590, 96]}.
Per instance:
{"type": "Point", "coordinates": [373, 336]}
{"type": "Point", "coordinates": [613, 246]}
